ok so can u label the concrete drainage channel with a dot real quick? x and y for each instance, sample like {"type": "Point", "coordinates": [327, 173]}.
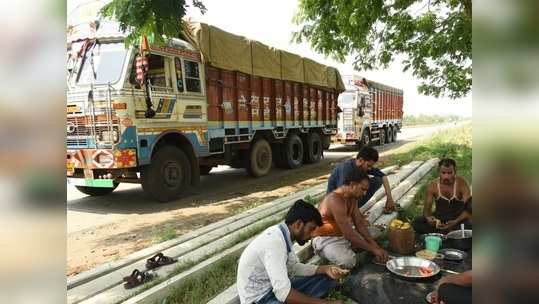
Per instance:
{"type": "Point", "coordinates": [199, 250]}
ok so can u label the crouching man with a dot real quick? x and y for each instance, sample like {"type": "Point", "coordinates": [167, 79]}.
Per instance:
{"type": "Point", "coordinates": [345, 230]}
{"type": "Point", "coordinates": [269, 272]}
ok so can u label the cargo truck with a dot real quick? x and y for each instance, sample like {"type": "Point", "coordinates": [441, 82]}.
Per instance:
{"type": "Point", "coordinates": [162, 115]}
{"type": "Point", "coordinates": [370, 112]}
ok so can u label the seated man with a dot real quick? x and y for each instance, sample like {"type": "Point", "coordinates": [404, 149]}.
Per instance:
{"type": "Point", "coordinates": [450, 194]}
{"type": "Point", "coordinates": [267, 264]}
{"type": "Point", "coordinates": [455, 289]}
{"type": "Point", "coordinates": [365, 160]}
{"type": "Point", "coordinates": [344, 228]}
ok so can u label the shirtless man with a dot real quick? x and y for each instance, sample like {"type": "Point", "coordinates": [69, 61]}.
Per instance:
{"type": "Point", "coordinates": [365, 160]}
{"type": "Point", "coordinates": [344, 229]}
{"type": "Point", "coordinates": [451, 194]}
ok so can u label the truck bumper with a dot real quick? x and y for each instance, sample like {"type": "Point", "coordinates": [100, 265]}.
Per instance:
{"type": "Point", "coordinates": [107, 159]}
{"type": "Point", "coordinates": [87, 182]}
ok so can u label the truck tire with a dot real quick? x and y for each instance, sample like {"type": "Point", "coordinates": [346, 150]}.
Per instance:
{"type": "Point", "coordinates": [260, 156]}
{"type": "Point", "coordinates": [293, 152]}
{"type": "Point", "coordinates": [96, 191]}
{"type": "Point", "coordinates": [168, 175]}
{"type": "Point", "coordinates": [205, 170]}
{"type": "Point", "coordinates": [313, 149]}
{"type": "Point", "coordinates": [382, 137]}
{"type": "Point", "coordinates": [389, 134]}
{"type": "Point", "coordinates": [395, 132]}
{"type": "Point", "coordinates": [365, 138]}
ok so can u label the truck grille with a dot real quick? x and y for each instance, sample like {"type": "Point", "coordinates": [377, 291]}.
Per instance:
{"type": "Point", "coordinates": [79, 129]}
{"type": "Point", "coordinates": [76, 142]}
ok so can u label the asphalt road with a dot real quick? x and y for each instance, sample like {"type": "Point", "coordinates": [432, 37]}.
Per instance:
{"type": "Point", "coordinates": [85, 212]}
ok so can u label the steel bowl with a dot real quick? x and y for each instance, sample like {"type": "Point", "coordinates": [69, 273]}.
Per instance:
{"type": "Point", "coordinates": [408, 267]}
{"type": "Point", "coordinates": [453, 254]}
{"type": "Point", "coordinates": [455, 239]}
{"type": "Point", "coordinates": [457, 234]}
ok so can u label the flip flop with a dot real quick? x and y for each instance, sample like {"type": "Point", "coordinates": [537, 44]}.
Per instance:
{"type": "Point", "coordinates": [159, 260]}
{"type": "Point", "coordinates": [137, 278]}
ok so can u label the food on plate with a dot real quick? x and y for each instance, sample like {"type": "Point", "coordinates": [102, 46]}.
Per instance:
{"type": "Point", "coordinates": [426, 254]}
{"type": "Point", "coordinates": [425, 271]}
{"type": "Point", "coordinates": [398, 224]}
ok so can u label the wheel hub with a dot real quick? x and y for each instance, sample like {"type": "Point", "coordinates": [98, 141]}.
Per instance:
{"type": "Point", "coordinates": [262, 159]}
{"type": "Point", "coordinates": [172, 174]}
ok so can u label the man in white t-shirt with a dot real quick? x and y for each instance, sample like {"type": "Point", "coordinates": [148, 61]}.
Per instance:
{"type": "Point", "coordinates": [269, 272]}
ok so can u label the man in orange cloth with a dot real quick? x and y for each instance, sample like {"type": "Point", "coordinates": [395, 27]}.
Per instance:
{"type": "Point", "coordinates": [344, 230]}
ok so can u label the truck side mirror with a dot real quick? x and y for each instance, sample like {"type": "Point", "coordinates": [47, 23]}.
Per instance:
{"type": "Point", "coordinates": [360, 106]}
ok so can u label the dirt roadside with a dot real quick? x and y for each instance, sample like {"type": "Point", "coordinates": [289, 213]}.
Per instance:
{"type": "Point", "coordinates": [91, 247]}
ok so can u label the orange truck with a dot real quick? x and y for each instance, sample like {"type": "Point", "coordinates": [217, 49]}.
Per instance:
{"type": "Point", "coordinates": [164, 115]}
{"type": "Point", "coordinates": [371, 112]}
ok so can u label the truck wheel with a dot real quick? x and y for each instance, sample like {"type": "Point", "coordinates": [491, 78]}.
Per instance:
{"type": "Point", "coordinates": [205, 170]}
{"type": "Point", "coordinates": [395, 132]}
{"type": "Point", "coordinates": [168, 175]}
{"type": "Point", "coordinates": [313, 150]}
{"type": "Point", "coordinates": [96, 191]}
{"type": "Point", "coordinates": [389, 134]}
{"type": "Point", "coordinates": [382, 137]}
{"type": "Point", "coordinates": [326, 142]}
{"type": "Point", "coordinates": [366, 138]}
{"type": "Point", "coordinates": [293, 152]}
{"type": "Point", "coordinates": [259, 162]}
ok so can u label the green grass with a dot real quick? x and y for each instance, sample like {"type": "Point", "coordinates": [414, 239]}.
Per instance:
{"type": "Point", "coordinates": [312, 200]}
{"type": "Point", "coordinates": [202, 288]}
{"type": "Point", "coordinates": [165, 234]}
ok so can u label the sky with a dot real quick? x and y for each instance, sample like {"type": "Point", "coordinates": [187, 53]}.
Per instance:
{"type": "Point", "coordinates": [270, 22]}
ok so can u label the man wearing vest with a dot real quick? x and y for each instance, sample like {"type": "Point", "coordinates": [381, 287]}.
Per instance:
{"type": "Point", "coordinates": [344, 230]}
{"type": "Point", "coordinates": [451, 196]}
{"type": "Point", "coordinates": [269, 272]}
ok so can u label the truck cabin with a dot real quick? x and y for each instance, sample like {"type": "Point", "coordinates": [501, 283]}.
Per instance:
{"type": "Point", "coordinates": [97, 62]}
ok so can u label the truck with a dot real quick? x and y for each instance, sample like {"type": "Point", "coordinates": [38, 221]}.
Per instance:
{"type": "Point", "coordinates": [162, 115]}
{"type": "Point", "coordinates": [370, 113]}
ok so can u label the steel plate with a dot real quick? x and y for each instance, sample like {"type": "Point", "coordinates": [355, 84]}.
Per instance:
{"type": "Point", "coordinates": [453, 254]}
{"type": "Point", "coordinates": [408, 267]}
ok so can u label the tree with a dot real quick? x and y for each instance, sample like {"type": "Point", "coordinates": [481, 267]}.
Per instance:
{"type": "Point", "coordinates": [434, 37]}
{"type": "Point", "coordinates": [155, 18]}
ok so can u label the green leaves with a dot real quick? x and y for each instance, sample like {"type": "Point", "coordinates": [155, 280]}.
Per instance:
{"type": "Point", "coordinates": [157, 18]}
{"type": "Point", "coordinates": [434, 36]}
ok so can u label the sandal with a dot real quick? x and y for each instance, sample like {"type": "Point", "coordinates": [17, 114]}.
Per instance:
{"type": "Point", "coordinates": [137, 278]}
{"type": "Point", "coordinates": [159, 260]}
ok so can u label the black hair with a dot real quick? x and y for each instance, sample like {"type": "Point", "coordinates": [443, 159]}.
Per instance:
{"type": "Point", "coordinates": [301, 210]}
{"type": "Point", "coordinates": [448, 162]}
{"type": "Point", "coordinates": [356, 175]}
{"type": "Point", "coordinates": [368, 153]}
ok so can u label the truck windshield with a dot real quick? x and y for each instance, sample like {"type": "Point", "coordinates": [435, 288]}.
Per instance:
{"type": "Point", "coordinates": [347, 100]}
{"type": "Point", "coordinates": [105, 60]}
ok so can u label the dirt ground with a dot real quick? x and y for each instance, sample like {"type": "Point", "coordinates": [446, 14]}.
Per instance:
{"type": "Point", "coordinates": [91, 247]}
